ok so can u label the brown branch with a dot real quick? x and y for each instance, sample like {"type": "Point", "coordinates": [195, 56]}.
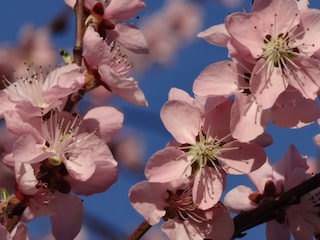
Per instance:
{"type": "Point", "coordinates": [273, 208]}
{"type": "Point", "coordinates": [77, 49]}
{"type": "Point", "coordinates": [77, 52]}
{"type": "Point", "coordinates": [140, 231]}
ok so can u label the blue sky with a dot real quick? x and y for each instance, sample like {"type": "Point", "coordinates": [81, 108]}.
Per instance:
{"type": "Point", "coordinates": [113, 208]}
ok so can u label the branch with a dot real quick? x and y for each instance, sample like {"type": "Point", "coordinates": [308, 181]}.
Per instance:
{"type": "Point", "coordinates": [140, 231]}
{"type": "Point", "coordinates": [77, 52]}
{"type": "Point", "coordinates": [77, 49]}
{"type": "Point", "coordinates": [273, 208]}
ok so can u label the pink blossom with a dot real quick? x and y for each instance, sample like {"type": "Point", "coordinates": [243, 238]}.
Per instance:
{"type": "Point", "coordinates": [34, 47]}
{"type": "Point", "coordinates": [248, 119]}
{"type": "Point", "coordinates": [82, 160]}
{"type": "Point", "coordinates": [168, 30]}
{"type": "Point", "coordinates": [278, 38]}
{"type": "Point", "coordinates": [173, 203]}
{"type": "Point", "coordinates": [227, 78]}
{"type": "Point", "coordinates": [111, 68]}
{"type": "Point", "coordinates": [39, 92]}
{"type": "Point", "coordinates": [129, 150]}
{"type": "Point", "coordinates": [204, 150]}
{"type": "Point", "coordinates": [65, 210]}
{"type": "Point", "coordinates": [302, 219]}
{"type": "Point", "coordinates": [109, 16]}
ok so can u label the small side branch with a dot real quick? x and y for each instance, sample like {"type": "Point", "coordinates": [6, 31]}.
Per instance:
{"type": "Point", "coordinates": [140, 231]}
{"type": "Point", "coordinates": [77, 49]}
{"type": "Point", "coordinates": [272, 209]}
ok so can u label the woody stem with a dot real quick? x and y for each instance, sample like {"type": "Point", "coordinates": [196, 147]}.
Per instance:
{"type": "Point", "coordinates": [140, 231]}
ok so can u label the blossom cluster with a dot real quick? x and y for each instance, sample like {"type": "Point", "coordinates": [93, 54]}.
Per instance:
{"type": "Point", "coordinates": [272, 76]}
{"type": "Point", "coordinates": [54, 152]}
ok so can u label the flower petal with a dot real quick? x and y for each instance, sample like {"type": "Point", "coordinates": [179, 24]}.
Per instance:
{"type": "Point", "coordinates": [166, 165]}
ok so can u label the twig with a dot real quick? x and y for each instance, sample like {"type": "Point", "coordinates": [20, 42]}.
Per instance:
{"type": "Point", "coordinates": [273, 208]}
{"type": "Point", "coordinates": [77, 52]}
{"type": "Point", "coordinates": [77, 49]}
{"type": "Point", "coordinates": [140, 231]}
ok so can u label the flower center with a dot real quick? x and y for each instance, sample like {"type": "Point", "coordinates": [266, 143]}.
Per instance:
{"type": "Point", "coordinates": [181, 204]}
{"type": "Point", "coordinates": [277, 51]}
{"type": "Point", "coordinates": [203, 152]}
{"type": "Point", "coordinates": [60, 136]}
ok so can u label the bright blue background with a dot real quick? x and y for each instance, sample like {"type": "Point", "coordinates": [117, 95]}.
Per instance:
{"type": "Point", "coordinates": [112, 209]}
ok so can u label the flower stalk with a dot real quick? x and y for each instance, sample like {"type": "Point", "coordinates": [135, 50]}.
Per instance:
{"type": "Point", "coordinates": [140, 231]}
{"type": "Point", "coordinates": [271, 209]}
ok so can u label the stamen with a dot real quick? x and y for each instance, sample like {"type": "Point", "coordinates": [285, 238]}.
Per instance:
{"type": "Point", "coordinates": [29, 88]}
{"type": "Point", "coordinates": [61, 136]}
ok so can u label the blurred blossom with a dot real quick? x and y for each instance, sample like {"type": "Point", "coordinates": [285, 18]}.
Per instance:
{"type": "Point", "coordinates": [129, 150]}
{"type": "Point", "coordinates": [83, 235]}
{"type": "Point", "coordinates": [34, 47]}
{"type": "Point", "coordinates": [167, 30]}
{"type": "Point", "coordinates": [98, 96]}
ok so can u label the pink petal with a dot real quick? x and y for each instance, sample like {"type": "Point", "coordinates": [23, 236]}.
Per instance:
{"type": "Point", "coordinates": [123, 9]}
{"type": "Point", "coordinates": [67, 221]}
{"type": "Point", "coordinates": [292, 110]}
{"type": "Point", "coordinates": [104, 175]}
{"type": "Point", "coordinates": [221, 226]}
{"type": "Point", "coordinates": [275, 230]}
{"type": "Point", "coordinates": [20, 123]}
{"type": "Point", "coordinates": [208, 187]}
{"type": "Point", "coordinates": [237, 199]}
{"type": "Point", "coordinates": [216, 35]}
{"type": "Point", "coordinates": [217, 121]}
{"type": "Point", "coordinates": [125, 88]}
{"type": "Point", "coordinates": [130, 37]}
{"type": "Point", "coordinates": [20, 232]}
{"type": "Point", "coordinates": [247, 121]}
{"type": "Point", "coordinates": [267, 86]}
{"type": "Point", "coordinates": [299, 226]}
{"type": "Point", "coordinates": [167, 165]}
{"type": "Point", "coordinates": [27, 150]}
{"type": "Point", "coordinates": [62, 82]}
{"type": "Point", "coordinates": [285, 167]}
{"type": "Point", "coordinates": [96, 51]}
{"type": "Point", "coordinates": [248, 30]}
{"type": "Point", "coordinates": [5, 235]}
{"type": "Point", "coordinates": [316, 140]}
{"type": "Point", "coordinates": [6, 104]}
{"type": "Point", "coordinates": [278, 16]}
{"type": "Point", "coordinates": [26, 180]}
{"type": "Point", "coordinates": [180, 230]}
{"type": "Point", "coordinates": [70, 3]}
{"type": "Point", "coordinates": [310, 22]}
{"type": "Point", "coordinates": [105, 121]}
{"type": "Point", "coordinates": [217, 79]}
{"type": "Point", "coordinates": [260, 176]}
{"type": "Point", "coordinates": [81, 164]}
{"type": "Point", "coordinates": [241, 157]}
{"type": "Point", "coordinates": [148, 200]}
{"type": "Point", "coordinates": [305, 78]}
{"type": "Point", "coordinates": [181, 95]}
{"type": "Point", "coordinates": [182, 120]}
